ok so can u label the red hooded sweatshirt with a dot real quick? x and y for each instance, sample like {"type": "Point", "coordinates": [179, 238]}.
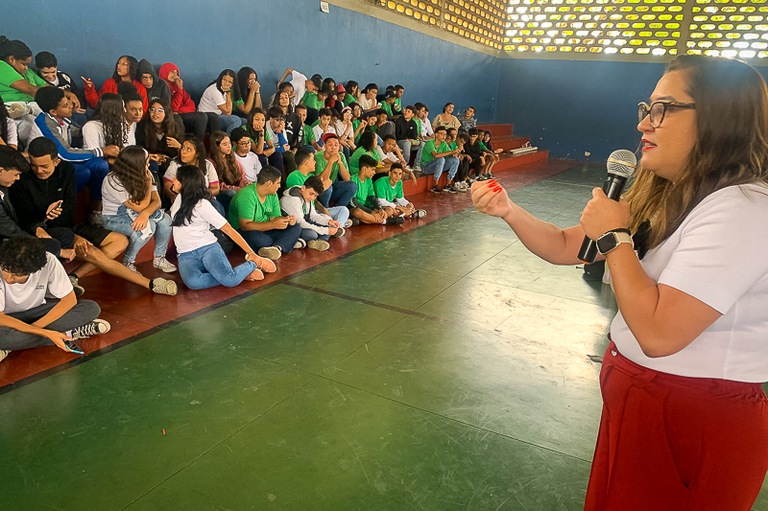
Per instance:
{"type": "Point", "coordinates": [181, 103]}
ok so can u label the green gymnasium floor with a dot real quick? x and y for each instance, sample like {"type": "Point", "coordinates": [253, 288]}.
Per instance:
{"type": "Point", "coordinates": [445, 368]}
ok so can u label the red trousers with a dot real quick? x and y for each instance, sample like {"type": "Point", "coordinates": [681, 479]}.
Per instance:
{"type": "Point", "coordinates": [671, 443]}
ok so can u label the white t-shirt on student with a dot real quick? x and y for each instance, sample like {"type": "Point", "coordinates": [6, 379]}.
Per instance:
{"type": "Point", "coordinates": [299, 82]}
{"type": "Point", "coordinates": [318, 131]}
{"type": "Point", "coordinates": [250, 164]}
{"type": "Point", "coordinates": [211, 176]}
{"type": "Point", "coordinates": [114, 194]}
{"type": "Point", "coordinates": [197, 233]}
{"type": "Point", "coordinates": [211, 99]}
{"type": "Point", "coordinates": [50, 281]}
{"type": "Point", "coordinates": [93, 135]}
{"type": "Point", "coordinates": [718, 256]}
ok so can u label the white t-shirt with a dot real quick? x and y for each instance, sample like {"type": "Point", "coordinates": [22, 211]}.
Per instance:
{"type": "Point", "coordinates": [197, 233]}
{"type": "Point", "coordinates": [113, 195]}
{"type": "Point", "coordinates": [318, 131]}
{"type": "Point", "coordinates": [339, 129]}
{"type": "Point", "coordinates": [718, 256]}
{"type": "Point", "coordinates": [426, 128]}
{"type": "Point", "coordinates": [299, 82]}
{"type": "Point", "coordinates": [51, 280]}
{"type": "Point", "coordinates": [367, 104]}
{"type": "Point", "coordinates": [210, 172]}
{"type": "Point", "coordinates": [211, 99]}
{"type": "Point", "coordinates": [93, 135]}
{"type": "Point", "coordinates": [250, 164]}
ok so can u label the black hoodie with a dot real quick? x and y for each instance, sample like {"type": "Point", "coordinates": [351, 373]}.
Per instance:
{"type": "Point", "coordinates": [159, 87]}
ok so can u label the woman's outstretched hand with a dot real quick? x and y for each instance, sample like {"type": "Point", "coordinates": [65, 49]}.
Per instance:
{"type": "Point", "coordinates": [491, 198]}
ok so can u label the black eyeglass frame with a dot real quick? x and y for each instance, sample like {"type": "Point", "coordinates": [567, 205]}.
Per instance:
{"type": "Point", "coordinates": [644, 110]}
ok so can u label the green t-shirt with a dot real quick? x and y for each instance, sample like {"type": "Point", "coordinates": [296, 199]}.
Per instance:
{"type": "Point", "coordinates": [354, 160]}
{"type": "Point", "coordinates": [429, 148]}
{"type": "Point", "coordinates": [8, 75]}
{"type": "Point", "coordinates": [296, 178]}
{"type": "Point", "coordinates": [483, 147]}
{"type": "Point", "coordinates": [310, 100]}
{"type": "Point", "coordinates": [349, 99]}
{"type": "Point", "coordinates": [384, 190]}
{"type": "Point", "coordinates": [309, 135]}
{"type": "Point", "coordinates": [386, 106]}
{"type": "Point", "coordinates": [246, 204]}
{"type": "Point", "coordinates": [365, 194]}
{"type": "Point", "coordinates": [418, 124]}
{"type": "Point", "coordinates": [399, 103]}
{"type": "Point", "coordinates": [453, 145]}
{"type": "Point", "coordinates": [321, 163]}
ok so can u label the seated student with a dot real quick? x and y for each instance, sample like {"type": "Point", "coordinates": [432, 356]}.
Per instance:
{"type": "Point", "coordinates": [262, 144]}
{"type": "Point", "coordinates": [397, 107]}
{"type": "Point", "coordinates": [486, 140]}
{"type": "Point", "coordinates": [339, 96]}
{"type": "Point", "coordinates": [389, 153]}
{"type": "Point", "coordinates": [217, 98]}
{"type": "Point", "coordinates": [247, 95]}
{"type": "Point", "coordinates": [468, 119]}
{"type": "Point", "coordinates": [248, 160]}
{"type": "Point", "coordinates": [300, 84]}
{"type": "Point", "coordinates": [323, 125]}
{"type": "Point", "coordinates": [48, 69]}
{"type": "Point", "coordinates": [45, 200]}
{"type": "Point", "coordinates": [314, 97]}
{"type": "Point", "coordinates": [367, 99]}
{"type": "Point", "coordinates": [287, 88]}
{"type": "Point", "coordinates": [195, 122]}
{"type": "Point", "coordinates": [306, 136]}
{"type": "Point", "coordinates": [39, 305]}
{"type": "Point", "coordinates": [275, 131]}
{"type": "Point", "coordinates": [389, 102]}
{"type": "Point", "coordinates": [159, 134]}
{"type": "Point", "coordinates": [425, 131]}
{"type": "Point", "coordinates": [384, 126]}
{"type": "Point", "coordinates": [352, 92]}
{"type": "Point", "coordinates": [367, 145]}
{"type": "Point", "coordinates": [192, 152]}
{"type": "Point", "coordinates": [389, 193]}
{"type": "Point", "coordinates": [364, 205]}
{"type": "Point", "coordinates": [255, 213]}
{"type": "Point", "coordinates": [156, 88]}
{"type": "Point", "coordinates": [12, 165]}
{"type": "Point", "coordinates": [90, 166]}
{"type": "Point", "coordinates": [8, 133]}
{"type": "Point", "coordinates": [407, 132]}
{"type": "Point", "coordinates": [109, 125]}
{"type": "Point", "coordinates": [436, 158]}
{"type": "Point", "coordinates": [346, 132]}
{"type": "Point", "coordinates": [478, 150]}
{"type": "Point", "coordinates": [466, 164]}
{"type": "Point", "coordinates": [202, 261]}
{"type": "Point", "coordinates": [230, 172]}
{"type": "Point", "coordinates": [332, 166]}
{"type": "Point", "coordinates": [316, 228]}
{"type": "Point", "coordinates": [126, 70]}
{"type": "Point", "coordinates": [305, 162]}
{"type": "Point", "coordinates": [446, 118]}
{"type": "Point", "coordinates": [131, 207]}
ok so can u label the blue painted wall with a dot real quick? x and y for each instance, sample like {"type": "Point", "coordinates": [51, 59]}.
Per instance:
{"type": "Point", "coordinates": [203, 37]}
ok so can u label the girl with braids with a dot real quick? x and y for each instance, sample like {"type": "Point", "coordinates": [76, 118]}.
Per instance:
{"type": "Point", "coordinates": [131, 206]}
{"type": "Point", "coordinates": [159, 133]}
{"type": "Point", "coordinates": [126, 70]}
{"type": "Point", "coordinates": [108, 125]}
{"type": "Point", "coordinates": [231, 175]}
{"type": "Point", "coordinates": [685, 419]}
{"type": "Point", "coordinates": [8, 134]}
{"type": "Point", "coordinates": [192, 152]}
{"type": "Point", "coordinates": [202, 262]}
{"type": "Point", "coordinates": [248, 91]}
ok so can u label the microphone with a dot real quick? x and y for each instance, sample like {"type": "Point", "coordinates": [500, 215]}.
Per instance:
{"type": "Point", "coordinates": [621, 165]}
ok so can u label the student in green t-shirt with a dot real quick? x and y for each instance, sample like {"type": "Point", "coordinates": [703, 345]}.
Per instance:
{"type": "Point", "coordinates": [255, 213]}
{"type": "Point", "coordinates": [307, 137]}
{"type": "Point", "coordinates": [331, 165]}
{"type": "Point", "coordinates": [437, 157]}
{"type": "Point", "coordinates": [367, 146]}
{"type": "Point", "coordinates": [389, 193]}
{"type": "Point", "coordinates": [365, 206]}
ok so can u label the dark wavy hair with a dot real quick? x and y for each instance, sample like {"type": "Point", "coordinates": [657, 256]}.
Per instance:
{"type": "Point", "coordinates": [235, 86]}
{"type": "Point", "coordinates": [249, 125]}
{"type": "Point", "coordinates": [225, 164]}
{"type": "Point", "coordinates": [111, 112]}
{"type": "Point", "coordinates": [199, 151]}
{"type": "Point", "coordinates": [22, 255]}
{"type": "Point", "coordinates": [13, 48]}
{"type": "Point", "coordinates": [130, 170]}
{"type": "Point", "coordinates": [242, 82]}
{"type": "Point", "coordinates": [168, 128]}
{"type": "Point", "coordinates": [133, 68]}
{"type": "Point", "coordinates": [194, 188]}
{"type": "Point", "coordinates": [367, 140]}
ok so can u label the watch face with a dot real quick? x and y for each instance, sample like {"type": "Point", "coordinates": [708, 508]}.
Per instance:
{"type": "Point", "coordinates": [607, 242]}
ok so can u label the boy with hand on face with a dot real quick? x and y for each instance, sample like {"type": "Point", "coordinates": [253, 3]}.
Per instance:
{"type": "Point", "coordinates": [365, 206]}
{"type": "Point", "coordinates": [316, 228]}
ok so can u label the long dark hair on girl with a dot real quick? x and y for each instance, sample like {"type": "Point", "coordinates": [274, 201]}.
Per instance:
{"type": "Point", "coordinates": [368, 140]}
{"type": "Point", "coordinates": [168, 128]}
{"type": "Point", "coordinates": [133, 68]}
{"type": "Point", "coordinates": [199, 151]}
{"type": "Point", "coordinates": [235, 87]}
{"type": "Point", "coordinates": [225, 164]}
{"type": "Point", "coordinates": [242, 82]}
{"type": "Point", "coordinates": [13, 48]}
{"type": "Point", "coordinates": [249, 124]}
{"type": "Point", "coordinates": [193, 189]}
{"type": "Point", "coordinates": [130, 170]}
{"type": "Point", "coordinates": [3, 121]}
{"type": "Point", "coordinates": [111, 112]}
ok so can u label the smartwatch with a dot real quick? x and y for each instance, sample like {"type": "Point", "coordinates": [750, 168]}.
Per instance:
{"type": "Point", "coordinates": [612, 239]}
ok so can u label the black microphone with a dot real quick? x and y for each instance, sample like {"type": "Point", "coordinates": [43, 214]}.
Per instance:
{"type": "Point", "coordinates": [621, 165]}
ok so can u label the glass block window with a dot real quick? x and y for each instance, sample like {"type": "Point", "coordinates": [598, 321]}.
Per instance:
{"type": "Point", "coordinates": [729, 28]}
{"type": "Point", "coordinates": [481, 21]}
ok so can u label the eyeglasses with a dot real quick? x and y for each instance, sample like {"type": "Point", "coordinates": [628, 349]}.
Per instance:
{"type": "Point", "coordinates": [157, 110]}
{"type": "Point", "coordinates": [244, 143]}
{"type": "Point", "coordinates": [658, 109]}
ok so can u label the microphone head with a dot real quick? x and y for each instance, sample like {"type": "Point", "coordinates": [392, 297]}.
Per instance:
{"type": "Point", "coordinates": [622, 163]}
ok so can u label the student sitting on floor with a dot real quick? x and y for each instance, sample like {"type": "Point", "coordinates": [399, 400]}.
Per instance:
{"type": "Point", "coordinates": [192, 152]}
{"type": "Point", "coordinates": [248, 160]}
{"type": "Point", "coordinates": [316, 228]}
{"type": "Point", "coordinates": [45, 199]}
{"type": "Point", "coordinates": [39, 307]}
{"type": "Point", "coordinates": [306, 166]}
{"type": "Point", "coordinates": [202, 262]}
{"type": "Point", "coordinates": [132, 207]}
{"type": "Point", "coordinates": [255, 213]}
{"type": "Point", "coordinates": [389, 193]}
{"type": "Point", "coordinates": [365, 206]}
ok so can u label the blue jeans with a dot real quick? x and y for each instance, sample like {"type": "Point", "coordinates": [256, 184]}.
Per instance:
{"type": "Point", "coordinates": [92, 174]}
{"type": "Point", "coordinates": [283, 238]}
{"type": "Point", "coordinates": [340, 193]}
{"type": "Point", "coordinates": [159, 226]}
{"type": "Point", "coordinates": [438, 165]}
{"type": "Point", "coordinates": [340, 214]}
{"type": "Point", "coordinates": [230, 122]}
{"type": "Point", "coordinates": [311, 234]}
{"type": "Point", "coordinates": [208, 266]}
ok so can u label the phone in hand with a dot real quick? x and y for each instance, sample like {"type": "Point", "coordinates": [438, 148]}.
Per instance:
{"type": "Point", "coordinates": [73, 347]}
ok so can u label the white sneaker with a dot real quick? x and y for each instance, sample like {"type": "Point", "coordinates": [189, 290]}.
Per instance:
{"type": "Point", "coordinates": [320, 245]}
{"type": "Point", "coordinates": [339, 232]}
{"type": "Point", "coordinates": [300, 243]}
{"type": "Point", "coordinates": [162, 264]}
{"type": "Point", "coordinates": [4, 353]}
{"type": "Point", "coordinates": [162, 286]}
{"type": "Point", "coordinates": [349, 223]}
{"type": "Point", "coordinates": [272, 253]}
{"type": "Point", "coordinates": [95, 327]}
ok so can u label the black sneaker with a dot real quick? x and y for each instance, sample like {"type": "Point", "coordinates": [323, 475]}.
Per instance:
{"type": "Point", "coordinates": [395, 220]}
{"type": "Point", "coordinates": [436, 189]}
{"type": "Point", "coordinates": [450, 189]}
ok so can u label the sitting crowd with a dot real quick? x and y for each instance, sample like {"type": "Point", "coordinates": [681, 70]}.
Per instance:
{"type": "Point", "coordinates": [269, 176]}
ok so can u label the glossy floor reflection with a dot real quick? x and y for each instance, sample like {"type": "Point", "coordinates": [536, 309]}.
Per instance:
{"type": "Point", "coordinates": [445, 368]}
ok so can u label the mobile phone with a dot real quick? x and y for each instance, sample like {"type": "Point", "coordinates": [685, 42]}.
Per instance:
{"type": "Point", "coordinates": [59, 204]}
{"type": "Point", "coordinates": [73, 347]}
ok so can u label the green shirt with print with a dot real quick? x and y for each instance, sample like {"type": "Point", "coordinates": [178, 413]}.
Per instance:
{"type": "Point", "coordinates": [321, 163]}
{"type": "Point", "coordinates": [9, 75]}
{"type": "Point", "coordinates": [429, 148]}
{"type": "Point", "coordinates": [247, 205]}
{"type": "Point", "coordinates": [384, 190]}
